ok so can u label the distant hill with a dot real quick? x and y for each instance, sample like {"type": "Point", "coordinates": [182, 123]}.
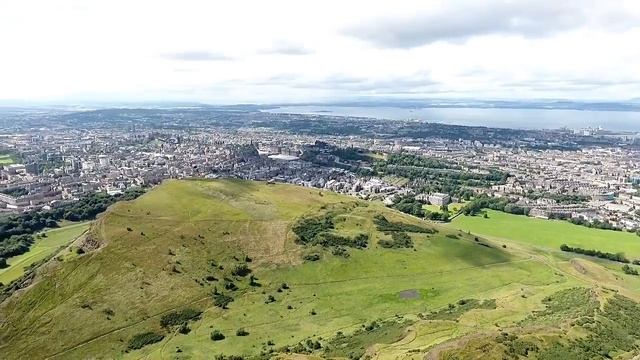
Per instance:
{"type": "Point", "coordinates": [196, 269]}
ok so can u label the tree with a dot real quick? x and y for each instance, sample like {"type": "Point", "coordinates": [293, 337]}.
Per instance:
{"type": "Point", "coordinates": [3, 263]}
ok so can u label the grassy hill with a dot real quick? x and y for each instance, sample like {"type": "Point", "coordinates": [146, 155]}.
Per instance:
{"type": "Point", "coordinates": [159, 276]}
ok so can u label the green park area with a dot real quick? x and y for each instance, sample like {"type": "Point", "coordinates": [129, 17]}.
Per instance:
{"type": "Point", "coordinates": [44, 246]}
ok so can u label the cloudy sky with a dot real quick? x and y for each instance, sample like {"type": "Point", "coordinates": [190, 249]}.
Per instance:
{"type": "Point", "coordinates": [289, 51]}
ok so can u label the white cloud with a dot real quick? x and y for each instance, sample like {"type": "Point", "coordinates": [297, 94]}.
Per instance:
{"type": "Point", "coordinates": [261, 51]}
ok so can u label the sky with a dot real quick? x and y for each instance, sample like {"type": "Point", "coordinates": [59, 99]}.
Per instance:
{"type": "Point", "coordinates": [312, 51]}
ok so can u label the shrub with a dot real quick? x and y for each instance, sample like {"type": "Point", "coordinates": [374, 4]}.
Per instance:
{"type": "Point", "coordinates": [216, 335]}
{"type": "Point", "coordinates": [253, 281]}
{"type": "Point", "coordinates": [382, 224]}
{"type": "Point", "coordinates": [241, 270]}
{"type": "Point", "coordinates": [179, 317]}
{"type": "Point", "coordinates": [230, 286]}
{"type": "Point", "coordinates": [184, 329]}
{"type": "Point", "coordinates": [398, 240]}
{"type": "Point", "coordinates": [312, 257]}
{"type": "Point", "coordinates": [141, 340]}
{"type": "Point", "coordinates": [221, 300]}
{"type": "Point", "coordinates": [629, 270]}
{"type": "Point", "coordinates": [242, 332]}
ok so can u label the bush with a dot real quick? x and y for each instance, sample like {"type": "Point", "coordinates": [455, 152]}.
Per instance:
{"type": "Point", "coordinates": [242, 332]}
{"type": "Point", "coordinates": [184, 329]}
{"type": "Point", "coordinates": [312, 257]}
{"type": "Point", "coordinates": [384, 225]}
{"type": "Point", "coordinates": [398, 240]}
{"type": "Point", "coordinates": [221, 300]}
{"type": "Point", "coordinates": [216, 335]}
{"type": "Point", "coordinates": [141, 340]}
{"type": "Point", "coordinates": [241, 270]}
{"type": "Point", "coordinates": [317, 231]}
{"type": "Point", "coordinates": [629, 270]}
{"type": "Point", "coordinates": [179, 317]}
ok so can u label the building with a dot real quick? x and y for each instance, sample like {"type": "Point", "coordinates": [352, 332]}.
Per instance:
{"type": "Point", "coordinates": [439, 199]}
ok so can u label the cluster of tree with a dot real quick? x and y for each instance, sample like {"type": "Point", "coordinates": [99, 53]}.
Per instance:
{"type": "Point", "coordinates": [28, 223]}
{"type": "Point", "coordinates": [141, 340]}
{"type": "Point", "coordinates": [409, 205]}
{"type": "Point", "coordinates": [483, 201]}
{"type": "Point", "coordinates": [15, 245]}
{"type": "Point", "coordinates": [84, 209]}
{"type": "Point", "coordinates": [436, 215]}
{"type": "Point", "coordinates": [307, 229]}
{"type": "Point", "coordinates": [179, 317]}
{"type": "Point", "coordinates": [398, 240]}
{"type": "Point", "coordinates": [413, 166]}
{"type": "Point", "coordinates": [629, 270]}
{"type": "Point", "coordinates": [419, 161]}
{"type": "Point", "coordinates": [384, 225]}
{"type": "Point", "coordinates": [317, 231]}
{"type": "Point", "coordinates": [15, 192]}
{"type": "Point", "coordinates": [435, 175]}
{"type": "Point", "coordinates": [619, 257]}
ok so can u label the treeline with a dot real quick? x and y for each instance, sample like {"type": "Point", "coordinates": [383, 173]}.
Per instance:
{"type": "Point", "coordinates": [16, 230]}
{"type": "Point", "coordinates": [318, 231]}
{"type": "Point", "coordinates": [596, 224]}
{"type": "Point", "coordinates": [619, 257]}
{"type": "Point", "coordinates": [483, 201]}
{"type": "Point", "coordinates": [409, 205]}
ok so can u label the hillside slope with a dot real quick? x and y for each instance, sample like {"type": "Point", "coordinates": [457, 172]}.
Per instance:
{"type": "Point", "coordinates": [162, 273]}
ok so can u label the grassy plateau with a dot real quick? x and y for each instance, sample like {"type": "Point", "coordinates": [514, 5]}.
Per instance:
{"type": "Point", "coordinates": [199, 269]}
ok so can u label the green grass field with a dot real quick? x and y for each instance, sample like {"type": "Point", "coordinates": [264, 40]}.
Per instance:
{"type": "Point", "coordinates": [453, 207]}
{"type": "Point", "coordinates": [169, 249]}
{"type": "Point", "coordinates": [548, 234]}
{"type": "Point", "coordinates": [6, 160]}
{"type": "Point", "coordinates": [41, 249]}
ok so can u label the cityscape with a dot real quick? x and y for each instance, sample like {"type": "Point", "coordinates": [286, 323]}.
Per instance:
{"type": "Point", "coordinates": [311, 180]}
{"type": "Point", "coordinates": [45, 167]}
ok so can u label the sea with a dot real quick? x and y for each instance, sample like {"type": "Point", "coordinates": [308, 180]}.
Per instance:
{"type": "Point", "coordinates": [493, 117]}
